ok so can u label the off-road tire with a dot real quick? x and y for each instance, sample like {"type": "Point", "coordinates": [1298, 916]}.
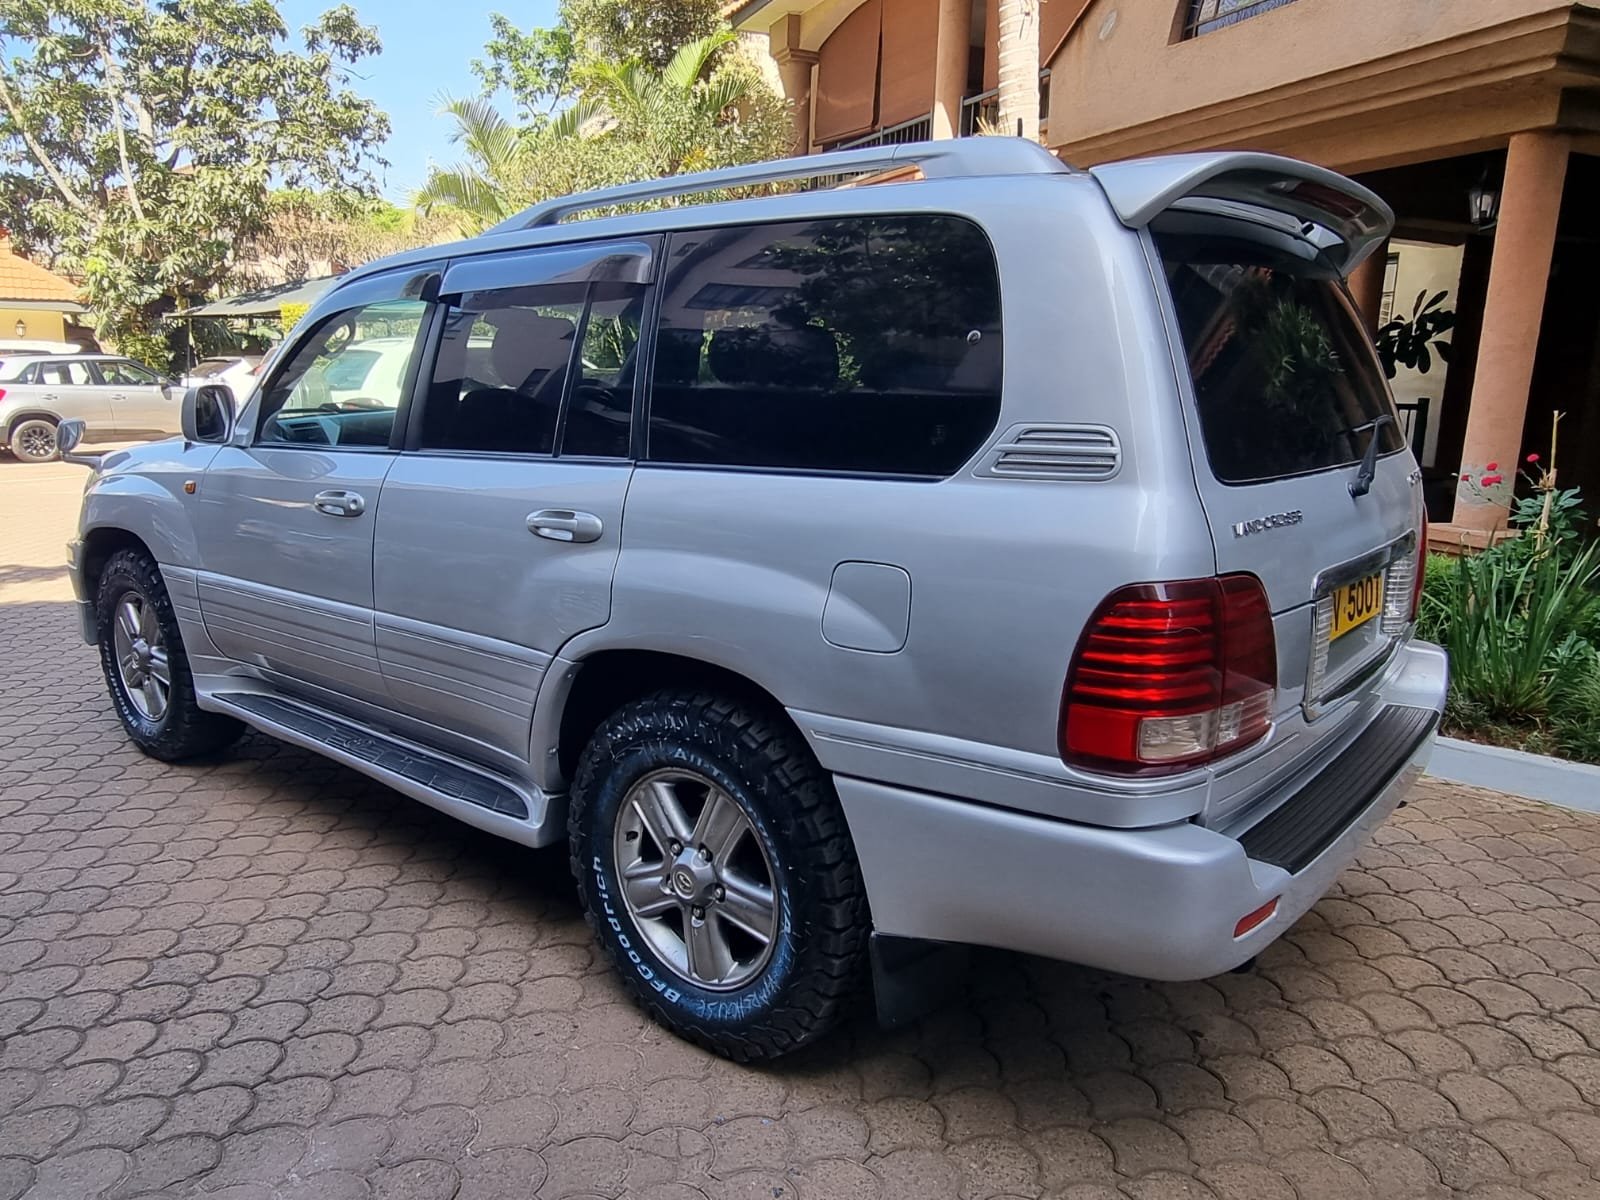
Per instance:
{"type": "Point", "coordinates": [28, 436]}
{"type": "Point", "coordinates": [185, 730]}
{"type": "Point", "coordinates": [817, 962]}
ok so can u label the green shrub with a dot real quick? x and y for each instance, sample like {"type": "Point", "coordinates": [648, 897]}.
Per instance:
{"type": "Point", "coordinates": [1514, 623]}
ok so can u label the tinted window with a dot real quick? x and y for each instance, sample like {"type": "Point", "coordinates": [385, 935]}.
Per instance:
{"type": "Point", "coordinates": [867, 344]}
{"type": "Point", "coordinates": [343, 384]}
{"type": "Point", "coordinates": [1285, 376]}
{"type": "Point", "coordinates": [506, 360]}
{"type": "Point", "coordinates": [600, 410]}
{"type": "Point", "coordinates": [501, 370]}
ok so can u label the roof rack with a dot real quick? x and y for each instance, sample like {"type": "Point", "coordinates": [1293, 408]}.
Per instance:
{"type": "Point", "coordinates": [950, 158]}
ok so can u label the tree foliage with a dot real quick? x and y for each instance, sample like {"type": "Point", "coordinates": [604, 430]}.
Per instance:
{"type": "Point", "coordinates": [623, 119]}
{"type": "Point", "coordinates": [544, 69]}
{"type": "Point", "coordinates": [310, 233]}
{"type": "Point", "coordinates": [140, 140]}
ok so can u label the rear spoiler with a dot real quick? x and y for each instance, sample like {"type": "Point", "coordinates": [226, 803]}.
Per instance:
{"type": "Point", "coordinates": [1349, 221]}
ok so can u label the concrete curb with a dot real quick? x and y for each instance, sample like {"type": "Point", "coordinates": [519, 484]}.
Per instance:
{"type": "Point", "coordinates": [1553, 780]}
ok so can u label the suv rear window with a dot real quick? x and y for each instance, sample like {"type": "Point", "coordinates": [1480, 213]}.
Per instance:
{"type": "Point", "coordinates": [838, 345]}
{"type": "Point", "coordinates": [1285, 376]}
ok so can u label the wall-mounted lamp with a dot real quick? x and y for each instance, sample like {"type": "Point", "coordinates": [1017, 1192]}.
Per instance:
{"type": "Point", "coordinates": [21, 328]}
{"type": "Point", "coordinates": [1483, 202]}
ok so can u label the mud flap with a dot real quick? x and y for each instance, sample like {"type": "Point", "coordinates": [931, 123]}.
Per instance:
{"type": "Point", "coordinates": [912, 977]}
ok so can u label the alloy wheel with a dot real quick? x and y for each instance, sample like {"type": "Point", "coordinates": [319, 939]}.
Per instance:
{"type": "Point", "coordinates": [696, 879]}
{"type": "Point", "coordinates": [141, 654]}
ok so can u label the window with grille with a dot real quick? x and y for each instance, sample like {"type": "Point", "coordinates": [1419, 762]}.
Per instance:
{"type": "Point", "coordinates": [1203, 16]}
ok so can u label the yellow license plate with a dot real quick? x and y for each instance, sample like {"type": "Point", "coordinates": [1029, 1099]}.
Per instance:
{"type": "Point", "coordinates": [1355, 604]}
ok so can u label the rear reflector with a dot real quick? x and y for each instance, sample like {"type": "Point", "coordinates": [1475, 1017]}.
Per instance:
{"type": "Point", "coordinates": [1170, 675]}
{"type": "Point", "coordinates": [1252, 920]}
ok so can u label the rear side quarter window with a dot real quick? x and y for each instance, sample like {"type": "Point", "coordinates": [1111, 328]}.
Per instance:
{"type": "Point", "coordinates": [868, 345]}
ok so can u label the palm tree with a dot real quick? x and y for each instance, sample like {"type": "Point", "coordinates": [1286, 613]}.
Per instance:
{"type": "Point", "coordinates": [631, 122]}
{"type": "Point", "coordinates": [670, 110]}
{"type": "Point", "coordinates": [1019, 68]}
{"type": "Point", "coordinates": [487, 188]}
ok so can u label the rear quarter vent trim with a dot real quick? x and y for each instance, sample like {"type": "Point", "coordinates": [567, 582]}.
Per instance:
{"type": "Point", "coordinates": [1082, 453]}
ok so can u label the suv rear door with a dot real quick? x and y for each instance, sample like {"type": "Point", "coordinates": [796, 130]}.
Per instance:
{"type": "Point", "coordinates": [65, 386]}
{"type": "Point", "coordinates": [1286, 405]}
{"type": "Point", "coordinates": [499, 527]}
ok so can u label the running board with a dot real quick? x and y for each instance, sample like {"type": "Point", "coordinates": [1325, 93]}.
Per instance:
{"type": "Point", "coordinates": [489, 802]}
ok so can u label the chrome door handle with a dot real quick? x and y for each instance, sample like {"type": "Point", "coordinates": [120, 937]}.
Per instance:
{"type": "Point", "coordinates": [119, 395]}
{"type": "Point", "coordinates": [564, 525]}
{"type": "Point", "coordinates": [339, 504]}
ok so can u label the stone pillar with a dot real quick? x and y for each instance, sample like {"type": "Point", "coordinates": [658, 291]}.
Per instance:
{"type": "Point", "coordinates": [795, 70]}
{"type": "Point", "coordinates": [1524, 239]}
{"type": "Point", "coordinates": [1366, 286]}
{"type": "Point", "coordinates": [950, 66]}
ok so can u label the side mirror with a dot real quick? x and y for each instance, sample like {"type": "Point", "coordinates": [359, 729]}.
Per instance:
{"type": "Point", "coordinates": [69, 434]}
{"type": "Point", "coordinates": [207, 414]}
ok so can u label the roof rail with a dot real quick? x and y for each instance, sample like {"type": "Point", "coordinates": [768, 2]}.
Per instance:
{"type": "Point", "coordinates": [948, 158]}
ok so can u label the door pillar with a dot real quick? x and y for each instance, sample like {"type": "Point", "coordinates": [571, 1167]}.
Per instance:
{"type": "Point", "coordinates": [795, 73]}
{"type": "Point", "coordinates": [950, 66]}
{"type": "Point", "coordinates": [1524, 240]}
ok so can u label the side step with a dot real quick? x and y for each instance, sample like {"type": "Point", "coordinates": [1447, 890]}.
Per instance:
{"type": "Point", "coordinates": [517, 811]}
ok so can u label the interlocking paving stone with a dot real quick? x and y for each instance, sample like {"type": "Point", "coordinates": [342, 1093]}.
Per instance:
{"type": "Point", "coordinates": [264, 976]}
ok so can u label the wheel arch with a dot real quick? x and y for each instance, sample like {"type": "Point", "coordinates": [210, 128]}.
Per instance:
{"type": "Point", "coordinates": [588, 690]}
{"type": "Point", "coordinates": [99, 545]}
{"type": "Point", "coordinates": [30, 414]}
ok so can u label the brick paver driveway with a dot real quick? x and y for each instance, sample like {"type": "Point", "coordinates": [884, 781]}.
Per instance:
{"type": "Point", "coordinates": [265, 976]}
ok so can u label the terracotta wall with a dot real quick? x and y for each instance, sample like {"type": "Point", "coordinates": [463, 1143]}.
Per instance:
{"type": "Point", "coordinates": [1122, 67]}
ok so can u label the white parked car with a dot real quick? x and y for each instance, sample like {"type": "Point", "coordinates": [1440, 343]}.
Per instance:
{"type": "Point", "coordinates": [237, 372]}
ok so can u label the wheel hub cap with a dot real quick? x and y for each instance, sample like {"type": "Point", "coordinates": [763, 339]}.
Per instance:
{"type": "Point", "coordinates": [696, 879]}
{"type": "Point", "coordinates": [141, 654]}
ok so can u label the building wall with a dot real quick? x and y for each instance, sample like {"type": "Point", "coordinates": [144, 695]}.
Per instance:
{"type": "Point", "coordinates": [1421, 267]}
{"type": "Point", "coordinates": [46, 326]}
{"type": "Point", "coordinates": [1295, 61]}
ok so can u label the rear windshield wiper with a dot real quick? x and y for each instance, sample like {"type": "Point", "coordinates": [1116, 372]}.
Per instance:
{"type": "Point", "coordinates": [1362, 483]}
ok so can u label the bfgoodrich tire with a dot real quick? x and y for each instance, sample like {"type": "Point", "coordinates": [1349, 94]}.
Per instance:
{"type": "Point", "coordinates": [147, 672]}
{"type": "Point", "coordinates": [716, 869]}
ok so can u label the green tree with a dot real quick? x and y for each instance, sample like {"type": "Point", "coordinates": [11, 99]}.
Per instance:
{"type": "Point", "coordinates": [498, 169]}
{"type": "Point", "coordinates": [140, 140]}
{"type": "Point", "coordinates": [543, 69]}
{"type": "Point", "coordinates": [629, 121]}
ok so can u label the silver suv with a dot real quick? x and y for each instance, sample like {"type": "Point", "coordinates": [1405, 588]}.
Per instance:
{"type": "Point", "coordinates": [999, 554]}
{"type": "Point", "coordinates": [115, 398]}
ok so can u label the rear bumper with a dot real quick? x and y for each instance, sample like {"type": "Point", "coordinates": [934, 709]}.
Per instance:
{"type": "Point", "coordinates": [1160, 903]}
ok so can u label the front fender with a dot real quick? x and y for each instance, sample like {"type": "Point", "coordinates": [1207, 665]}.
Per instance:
{"type": "Point", "coordinates": [141, 492]}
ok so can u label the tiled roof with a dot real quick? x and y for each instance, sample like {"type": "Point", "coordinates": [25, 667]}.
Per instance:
{"type": "Point", "coordinates": [22, 280]}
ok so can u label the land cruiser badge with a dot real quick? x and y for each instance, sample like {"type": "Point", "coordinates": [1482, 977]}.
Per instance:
{"type": "Point", "coordinates": [1270, 521]}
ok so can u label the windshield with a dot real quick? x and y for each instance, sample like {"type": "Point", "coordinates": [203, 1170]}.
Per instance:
{"type": "Point", "coordinates": [1285, 377]}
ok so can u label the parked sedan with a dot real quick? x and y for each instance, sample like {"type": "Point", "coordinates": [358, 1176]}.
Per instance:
{"type": "Point", "coordinates": [118, 399]}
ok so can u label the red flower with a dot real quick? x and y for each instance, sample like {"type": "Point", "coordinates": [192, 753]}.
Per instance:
{"type": "Point", "coordinates": [1466, 477]}
{"type": "Point", "coordinates": [1491, 466]}
{"type": "Point", "coordinates": [1533, 458]}
{"type": "Point", "coordinates": [1491, 480]}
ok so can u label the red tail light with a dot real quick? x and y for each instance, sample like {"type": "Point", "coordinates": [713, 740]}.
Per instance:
{"type": "Point", "coordinates": [1170, 675]}
{"type": "Point", "coordinates": [1422, 566]}
{"type": "Point", "coordinates": [2, 393]}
